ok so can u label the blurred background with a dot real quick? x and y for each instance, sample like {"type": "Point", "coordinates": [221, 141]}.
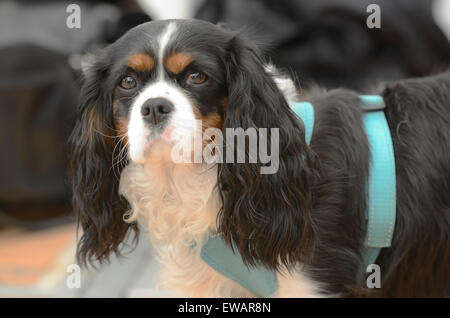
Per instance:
{"type": "Point", "coordinates": [324, 42]}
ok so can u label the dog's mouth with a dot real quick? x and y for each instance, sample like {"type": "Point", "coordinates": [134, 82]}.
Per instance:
{"type": "Point", "coordinates": [158, 145]}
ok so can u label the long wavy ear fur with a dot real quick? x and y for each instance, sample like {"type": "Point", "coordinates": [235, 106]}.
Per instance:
{"type": "Point", "coordinates": [266, 217]}
{"type": "Point", "coordinates": [95, 187]}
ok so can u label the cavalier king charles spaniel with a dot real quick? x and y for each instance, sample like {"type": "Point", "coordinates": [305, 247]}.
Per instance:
{"type": "Point", "coordinates": [165, 81]}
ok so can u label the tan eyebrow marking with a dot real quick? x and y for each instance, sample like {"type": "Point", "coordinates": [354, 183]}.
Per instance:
{"type": "Point", "coordinates": [141, 62]}
{"type": "Point", "coordinates": [177, 62]}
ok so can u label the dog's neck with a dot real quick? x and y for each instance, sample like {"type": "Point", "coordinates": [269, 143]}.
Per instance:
{"type": "Point", "coordinates": [178, 203]}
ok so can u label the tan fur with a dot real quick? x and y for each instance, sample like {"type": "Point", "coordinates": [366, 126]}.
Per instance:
{"type": "Point", "coordinates": [95, 129]}
{"type": "Point", "coordinates": [141, 62]}
{"type": "Point", "coordinates": [177, 62]}
{"type": "Point", "coordinates": [121, 126]}
{"type": "Point", "coordinates": [212, 120]}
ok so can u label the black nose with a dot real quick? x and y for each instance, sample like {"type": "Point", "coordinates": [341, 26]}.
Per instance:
{"type": "Point", "coordinates": [156, 110]}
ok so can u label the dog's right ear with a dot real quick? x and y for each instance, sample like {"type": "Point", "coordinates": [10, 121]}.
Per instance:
{"type": "Point", "coordinates": [96, 201]}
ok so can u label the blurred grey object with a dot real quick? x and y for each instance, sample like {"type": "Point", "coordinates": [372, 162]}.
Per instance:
{"type": "Point", "coordinates": [441, 15]}
{"type": "Point", "coordinates": [40, 65]}
{"type": "Point", "coordinates": [44, 24]}
{"type": "Point", "coordinates": [170, 9]}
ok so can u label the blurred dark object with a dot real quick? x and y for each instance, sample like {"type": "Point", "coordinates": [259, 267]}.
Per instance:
{"type": "Point", "coordinates": [40, 62]}
{"type": "Point", "coordinates": [327, 42]}
{"type": "Point", "coordinates": [126, 22]}
{"type": "Point", "coordinates": [37, 99]}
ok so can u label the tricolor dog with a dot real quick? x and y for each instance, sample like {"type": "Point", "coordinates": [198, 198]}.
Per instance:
{"type": "Point", "coordinates": [224, 229]}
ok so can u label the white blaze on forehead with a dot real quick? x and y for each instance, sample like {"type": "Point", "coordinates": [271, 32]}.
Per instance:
{"type": "Point", "coordinates": [163, 41]}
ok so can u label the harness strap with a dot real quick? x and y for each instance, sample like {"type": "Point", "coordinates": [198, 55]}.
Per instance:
{"type": "Point", "coordinates": [305, 111]}
{"type": "Point", "coordinates": [381, 182]}
{"type": "Point", "coordinates": [380, 209]}
{"type": "Point", "coordinates": [259, 280]}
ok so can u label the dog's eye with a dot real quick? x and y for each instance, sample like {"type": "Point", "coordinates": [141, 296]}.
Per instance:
{"type": "Point", "coordinates": [195, 78]}
{"type": "Point", "coordinates": [128, 82]}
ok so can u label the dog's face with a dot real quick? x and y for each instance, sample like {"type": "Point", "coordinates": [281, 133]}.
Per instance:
{"type": "Point", "coordinates": [168, 80]}
{"type": "Point", "coordinates": [157, 86]}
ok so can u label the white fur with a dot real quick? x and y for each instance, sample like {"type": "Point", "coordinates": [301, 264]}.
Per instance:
{"type": "Point", "coordinates": [182, 123]}
{"type": "Point", "coordinates": [163, 41]}
{"type": "Point", "coordinates": [178, 203]}
{"type": "Point", "coordinates": [285, 84]}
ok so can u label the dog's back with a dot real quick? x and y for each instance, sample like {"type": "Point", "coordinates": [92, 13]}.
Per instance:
{"type": "Point", "coordinates": [418, 113]}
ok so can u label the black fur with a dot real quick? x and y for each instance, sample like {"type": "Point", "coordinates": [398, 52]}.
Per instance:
{"type": "Point", "coordinates": [342, 153]}
{"type": "Point", "coordinates": [95, 186]}
{"type": "Point", "coordinates": [418, 263]}
{"type": "Point", "coordinates": [266, 215]}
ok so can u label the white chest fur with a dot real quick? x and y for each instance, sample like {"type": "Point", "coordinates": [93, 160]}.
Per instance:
{"type": "Point", "coordinates": [179, 204]}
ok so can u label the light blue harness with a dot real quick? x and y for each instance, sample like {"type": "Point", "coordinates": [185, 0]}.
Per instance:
{"type": "Point", "coordinates": [380, 210]}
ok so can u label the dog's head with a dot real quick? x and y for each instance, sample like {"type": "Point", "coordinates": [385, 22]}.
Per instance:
{"type": "Point", "coordinates": [159, 85]}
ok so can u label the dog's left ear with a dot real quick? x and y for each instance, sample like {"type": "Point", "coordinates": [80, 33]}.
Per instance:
{"type": "Point", "coordinates": [92, 147]}
{"type": "Point", "coordinates": [265, 215]}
